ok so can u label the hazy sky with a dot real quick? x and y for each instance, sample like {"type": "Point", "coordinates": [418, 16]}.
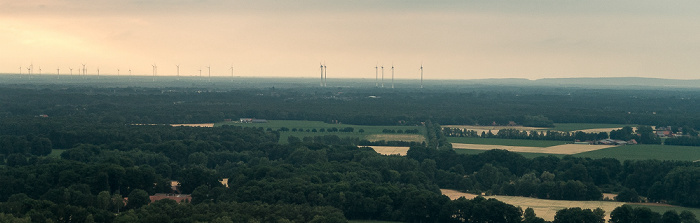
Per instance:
{"type": "Point", "coordinates": [460, 39]}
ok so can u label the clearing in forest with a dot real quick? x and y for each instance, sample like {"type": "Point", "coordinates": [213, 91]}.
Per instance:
{"type": "Point", "coordinates": [390, 150]}
{"type": "Point", "coordinates": [543, 208]}
{"type": "Point", "coordinates": [566, 149]}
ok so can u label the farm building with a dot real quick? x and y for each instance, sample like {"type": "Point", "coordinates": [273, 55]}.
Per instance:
{"type": "Point", "coordinates": [252, 120]}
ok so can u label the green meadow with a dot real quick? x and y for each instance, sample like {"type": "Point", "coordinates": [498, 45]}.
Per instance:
{"type": "Point", "coordinates": [307, 128]}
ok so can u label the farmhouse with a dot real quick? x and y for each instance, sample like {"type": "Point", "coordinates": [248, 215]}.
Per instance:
{"type": "Point", "coordinates": [252, 120]}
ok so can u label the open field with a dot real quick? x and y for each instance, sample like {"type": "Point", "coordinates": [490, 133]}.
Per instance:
{"type": "Point", "coordinates": [493, 129]}
{"type": "Point", "coordinates": [562, 127]}
{"type": "Point", "coordinates": [310, 125]}
{"type": "Point", "coordinates": [566, 149]}
{"type": "Point", "coordinates": [586, 127]}
{"type": "Point", "coordinates": [543, 208]}
{"type": "Point", "coordinates": [390, 150]}
{"type": "Point", "coordinates": [640, 152]}
{"type": "Point", "coordinates": [661, 209]}
{"type": "Point", "coordinates": [56, 152]}
{"type": "Point", "coordinates": [505, 142]}
{"type": "Point", "coordinates": [622, 153]}
{"type": "Point", "coordinates": [208, 125]}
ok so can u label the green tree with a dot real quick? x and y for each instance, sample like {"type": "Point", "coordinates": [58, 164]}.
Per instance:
{"type": "Point", "coordinates": [137, 198]}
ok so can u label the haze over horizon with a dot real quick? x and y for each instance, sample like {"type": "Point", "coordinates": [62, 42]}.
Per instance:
{"type": "Point", "coordinates": [453, 39]}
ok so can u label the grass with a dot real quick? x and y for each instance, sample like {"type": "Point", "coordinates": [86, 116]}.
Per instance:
{"type": "Point", "coordinates": [56, 152]}
{"type": "Point", "coordinates": [568, 127]}
{"type": "Point", "coordinates": [505, 142]}
{"type": "Point", "coordinates": [664, 209]}
{"type": "Point", "coordinates": [291, 124]}
{"type": "Point", "coordinates": [641, 152]}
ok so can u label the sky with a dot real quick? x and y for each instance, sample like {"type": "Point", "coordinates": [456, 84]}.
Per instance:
{"type": "Point", "coordinates": [453, 39]}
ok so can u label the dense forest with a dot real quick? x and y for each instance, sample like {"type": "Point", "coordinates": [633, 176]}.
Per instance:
{"type": "Point", "coordinates": [111, 158]}
{"type": "Point", "coordinates": [482, 105]}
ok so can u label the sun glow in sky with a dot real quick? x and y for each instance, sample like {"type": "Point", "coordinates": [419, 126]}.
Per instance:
{"type": "Point", "coordinates": [454, 39]}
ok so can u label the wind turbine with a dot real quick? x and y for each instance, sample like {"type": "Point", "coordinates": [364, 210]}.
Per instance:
{"type": "Point", "coordinates": [382, 76]}
{"type": "Point", "coordinates": [392, 75]}
{"type": "Point", "coordinates": [84, 71]}
{"type": "Point", "coordinates": [231, 73]}
{"type": "Point", "coordinates": [421, 75]}
{"type": "Point", "coordinates": [71, 72]}
{"type": "Point", "coordinates": [98, 72]}
{"type": "Point", "coordinates": [155, 69]}
{"type": "Point", "coordinates": [209, 67]}
{"type": "Point", "coordinates": [39, 70]}
{"type": "Point", "coordinates": [325, 71]}
{"type": "Point", "coordinates": [321, 73]}
{"type": "Point", "coordinates": [178, 71]}
{"type": "Point", "coordinates": [200, 73]}
{"type": "Point", "coordinates": [29, 71]}
{"type": "Point", "coordinates": [20, 72]}
{"type": "Point", "coordinates": [129, 74]}
{"type": "Point", "coordinates": [58, 73]}
{"type": "Point", "coordinates": [117, 71]}
{"type": "Point", "coordinates": [376, 75]}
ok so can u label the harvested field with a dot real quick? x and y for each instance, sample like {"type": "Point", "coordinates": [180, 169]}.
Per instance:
{"type": "Point", "coordinates": [396, 137]}
{"type": "Point", "coordinates": [390, 150]}
{"type": "Point", "coordinates": [608, 130]}
{"type": "Point", "coordinates": [493, 129]}
{"type": "Point", "coordinates": [566, 149]}
{"type": "Point", "coordinates": [543, 208]}
{"type": "Point", "coordinates": [607, 196]}
{"type": "Point", "coordinates": [208, 125]}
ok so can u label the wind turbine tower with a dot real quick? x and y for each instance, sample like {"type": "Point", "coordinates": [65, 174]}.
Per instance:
{"type": "Point", "coordinates": [155, 70]}
{"type": "Point", "coordinates": [231, 73]}
{"type": "Point", "coordinates": [392, 75]}
{"type": "Point", "coordinates": [178, 71]}
{"type": "Point", "coordinates": [58, 73]}
{"type": "Point", "coordinates": [71, 72]}
{"type": "Point", "coordinates": [20, 72]}
{"type": "Point", "coordinates": [200, 73]}
{"type": "Point", "coordinates": [84, 71]}
{"type": "Point", "coordinates": [382, 76]}
{"type": "Point", "coordinates": [376, 75]}
{"type": "Point", "coordinates": [39, 70]}
{"type": "Point", "coordinates": [421, 75]}
{"type": "Point", "coordinates": [321, 74]}
{"type": "Point", "coordinates": [29, 71]}
{"type": "Point", "coordinates": [98, 72]}
{"type": "Point", "coordinates": [209, 68]}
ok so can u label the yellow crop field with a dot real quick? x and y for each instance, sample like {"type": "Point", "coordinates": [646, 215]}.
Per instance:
{"type": "Point", "coordinates": [543, 208]}
{"type": "Point", "coordinates": [207, 125]}
{"type": "Point", "coordinates": [390, 150]}
{"type": "Point", "coordinates": [566, 149]}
